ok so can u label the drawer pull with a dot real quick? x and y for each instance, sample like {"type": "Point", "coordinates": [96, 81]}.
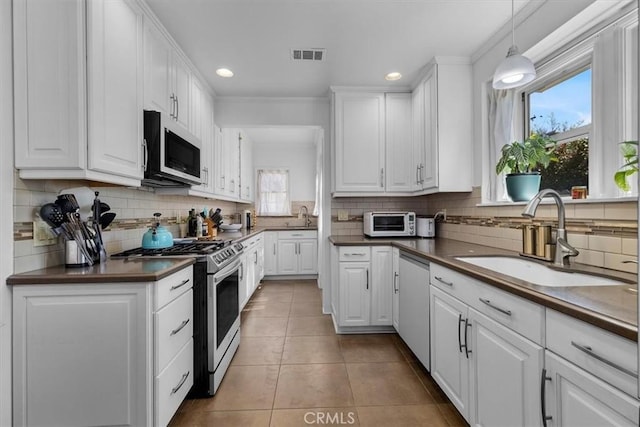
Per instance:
{"type": "Point", "coordinates": [297, 235]}
{"type": "Point", "coordinates": [182, 380]}
{"type": "Point", "coordinates": [501, 310]}
{"type": "Point", "coordinates": [355, 254]}
{"type": "Point", "coordinates": [184, 282]}
{"type": "Point", "coordinates": [439, 279]}
{"type": "Point", "coordinates": [179, 328]}
{"type": "Point", "coordinates": [590, 352]}
{"type": "Point", "coordinates": [460, 321]}
{"type": "Point", "coordinates": [467, 325]}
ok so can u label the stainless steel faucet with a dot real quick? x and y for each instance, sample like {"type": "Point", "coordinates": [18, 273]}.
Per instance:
{"type": "Point", "coordinates": [563, 249]}
{"type": "Point", "coordinates": [305, 215]}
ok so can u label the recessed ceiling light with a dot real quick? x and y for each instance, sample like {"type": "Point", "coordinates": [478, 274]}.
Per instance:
{"type": "Point", "coordinates": [224, 72]}
{"type": "Point", "coordinates": [393, 76]}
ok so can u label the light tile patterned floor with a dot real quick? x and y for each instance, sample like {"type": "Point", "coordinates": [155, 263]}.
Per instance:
{"type": "Point", "coordinates": [293, 370]}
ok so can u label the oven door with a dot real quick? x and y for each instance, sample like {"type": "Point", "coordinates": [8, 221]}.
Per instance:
{"type": "Point", "coordinates": [223, 311]}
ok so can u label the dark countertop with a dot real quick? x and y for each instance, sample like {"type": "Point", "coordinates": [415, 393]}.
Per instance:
{"type": "Point", "coordinates": [111, 271]}
{"type": "Point", "coordinates": [614, 308]}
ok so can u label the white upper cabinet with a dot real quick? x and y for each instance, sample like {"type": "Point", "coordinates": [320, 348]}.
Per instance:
{"type": "Point", "coordinates": [228, 163]}
{"type": "Point", "coordinates": [359, 125]}
{"type": "Point", "coordinates": [115, 65]}
{"type": "Point", "coordinates": [78, 90]}
{"type": "Point", "coordinates": [246, 169]}
{"type": "Point", "coordinates": [442, 121]}
{"type": "Point", "coordinates": [168, 85]}
{"type": "Point", "coordinates": [373, 143]}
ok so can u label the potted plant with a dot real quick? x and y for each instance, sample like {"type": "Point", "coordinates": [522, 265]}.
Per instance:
{"type": "Point", "coordinates": [521, 162]}
{"type": "Point", "coordinates": [630, 154]}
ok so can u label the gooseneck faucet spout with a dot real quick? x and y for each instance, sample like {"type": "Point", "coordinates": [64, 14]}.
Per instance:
{"type": "Point", "coordinates": [563, 249]}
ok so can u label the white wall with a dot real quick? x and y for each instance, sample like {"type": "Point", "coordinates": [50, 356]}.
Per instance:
{"type": "Point", "coordinates": [6, 211]}
{"type": "Point", "coordinates": [299, 158]}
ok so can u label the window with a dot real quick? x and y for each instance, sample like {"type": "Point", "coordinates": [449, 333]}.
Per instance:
{"type": "Point", "coordinates": [561, 109]}
{"type": "Point", "coordinates": [273, 193]}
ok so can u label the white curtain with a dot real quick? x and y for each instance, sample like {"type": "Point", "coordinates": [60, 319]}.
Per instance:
{"type": "Point", "coordinates": [501, 132]}
{"type": "Point", "coordinates": [273, 193]}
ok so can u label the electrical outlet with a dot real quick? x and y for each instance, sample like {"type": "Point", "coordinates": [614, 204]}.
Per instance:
{"type": "Point", "coordinates": [42, 234]}
{"type": "Point", "coordinates": [343, 215]}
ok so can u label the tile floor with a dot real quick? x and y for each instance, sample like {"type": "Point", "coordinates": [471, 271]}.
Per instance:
{"type": "Point", "coordinates": [293, 370]}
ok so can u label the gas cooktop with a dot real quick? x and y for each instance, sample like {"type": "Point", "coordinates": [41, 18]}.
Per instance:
{"type": "Point", "coordinates": [178, 249]}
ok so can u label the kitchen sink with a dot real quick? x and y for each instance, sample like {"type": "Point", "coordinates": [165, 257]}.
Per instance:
{"type": "Point", "coordinates": [537, 273]}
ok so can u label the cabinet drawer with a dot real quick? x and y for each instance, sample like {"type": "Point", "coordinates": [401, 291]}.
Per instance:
{"type": "Point", "coordinates": [453, 283]}
{"type": "Point", "coordinates": [173, 286]}
{"type": "Point", "coordinates": [517, 314]}
{"type": "Point", "coordinates": [586, 345]}
{"type": "Point", "coordinates": [298, 234]}
{"type": "Point", "coordinates": [354, 253]}
{"type": "Point", "coordinates": [173, 328]}
{"type": "Point", "coordinates": [173, 384]}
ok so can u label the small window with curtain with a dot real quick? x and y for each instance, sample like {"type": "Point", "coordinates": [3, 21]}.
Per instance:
{"type": "Point", "coordinates": [273, 193]}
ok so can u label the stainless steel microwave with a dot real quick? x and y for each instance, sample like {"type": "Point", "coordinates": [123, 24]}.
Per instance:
{"type": "Point", "coordinates": [172, 154]}
{"type": "Point", "coordinates": [390, 224]}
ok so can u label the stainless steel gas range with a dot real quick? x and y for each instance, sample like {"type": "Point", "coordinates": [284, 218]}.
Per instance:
{"type": "Point", "coordinates": [216, 313]}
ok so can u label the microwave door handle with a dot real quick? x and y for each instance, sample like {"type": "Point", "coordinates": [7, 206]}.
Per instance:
{"type": "Point", "coordinates": [145, 155]}
{"type": "Point", "coordinates": [177, 108]}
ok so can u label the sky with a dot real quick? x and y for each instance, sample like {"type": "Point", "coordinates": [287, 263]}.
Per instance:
{"type": "Point", "coordinates": [569, 101]}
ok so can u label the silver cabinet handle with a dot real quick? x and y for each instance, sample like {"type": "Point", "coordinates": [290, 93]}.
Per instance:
{"type": "Point", "coordinates": [182, 380]}
{"type": "Point", "coordinates": [439, 279]}
{"type": "Point", "coordinates": [233, 185]}
{"type": "Point", "coordinates": [274, 248]}
{"type": "Point", "coordinates": [367, 270]}
{"type": "Point", "coordinates": [382, 177]}
{"type": "Point", "coordinates": [173, 106]}
{"type": "Point", "coordinates": [543, 404]}
{"type": "Point", "coordinates": [184, 282]}
{"type": "Point", "coordinates": [222, 182]}
{"type": "Point", "coordinates": [177, 108]}
{"type": "Point", "coordinates": [145, 155]}
{"type": "Point", "coordinates": [467, 325]}
{"type": "Point", "coordinates": [179, 328]}
{"type": "Point", "coordinates": [418, 174]}
{"type": "Point", "coordinates": [297, 234]}
{"type": "Point", "coordinates": [421, 177]}
{"type": "Point", "coordinates": [590, 352]}
{"type": "Point", "coordinates": [241, 272]}
{"type": "Point", "coordinates": [256, 258]}
{"type": "Point", "coordinates": [501, 310]}
{"type": "Point", "coordinates": [395, 282]}
{"type": "Point", "coordinates": [205, 174]}
{"type": "Point", "coordinates": [355, 254]}
{"type": "Point", "coordinates": [460, 321]}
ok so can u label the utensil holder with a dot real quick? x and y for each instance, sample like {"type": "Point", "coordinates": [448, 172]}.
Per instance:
{"type": "Point", "coordinates": [73, 255]}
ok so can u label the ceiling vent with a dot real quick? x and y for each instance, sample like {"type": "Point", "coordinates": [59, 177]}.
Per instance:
{"type": "Point", "coordinates": [308, 54]}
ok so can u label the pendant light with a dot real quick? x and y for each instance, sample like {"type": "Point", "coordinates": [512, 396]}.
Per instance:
{"type": "Point", "coordinates": [515, 70]}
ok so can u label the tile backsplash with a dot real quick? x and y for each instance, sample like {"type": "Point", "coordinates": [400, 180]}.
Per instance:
{"type": "Point", "coordinates": [604, 233]}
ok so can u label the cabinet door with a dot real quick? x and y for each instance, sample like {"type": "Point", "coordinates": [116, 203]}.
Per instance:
{"type": "Point", "coordinates": [449, 363]}
{"type": "Point", "coordinates": [49, 84]}
{"type": "Point", "coordinates": [396, 290]}
{"type": "Point", "coordinates": [417, 135]}
{"type": "Point", "coordinates": [115, 65]}
{"type": "Point", "coordinates": [82, 355]}
{"type": "Point", "coordinates": [505, 371]}
{"type": "Point", "coordinates": [157, 60]}
{"type": "Point", "coordinates": [287, 257]}
{"type": "Point", "coordinates": [359, 144]}
{"type": "Point", "coordinates": [229, 163]}
{"type": "Point", "coordinates": [398, 142]}
{"type": "Point", "coordinates": [381, 285]}
{"type": "Point", "coordinates": [270, 253]}
{"type": "Point", "coordinates": [576, 398]}
{"type": "Point", "coordinates": [355, 294]}
{"type": "Point", "coordinates": [246, 168]}
{"type": "Point", "coordinates": [429, 171]}
{"type": "Point", "coordinates": [181, 79]}
{"type": "Point", "coordinates": [207, 152]}
{"type": "Point", "coordinates": [413, 284]}
{"type": "Point", "coordinates": [308, 256]}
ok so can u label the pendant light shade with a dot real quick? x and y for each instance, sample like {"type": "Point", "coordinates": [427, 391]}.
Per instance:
{"type": "Point", "coordinates": [515, 70]}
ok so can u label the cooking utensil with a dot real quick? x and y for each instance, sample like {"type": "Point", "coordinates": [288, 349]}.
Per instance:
{"type": "Point", "coordinates": [52, 215]}
{"type": "Point", "coordinates": [97, 211]}
{"type": "Point", "coordinates": [84, 197]}
{"type": "Point", "coordinates": [106, 219]}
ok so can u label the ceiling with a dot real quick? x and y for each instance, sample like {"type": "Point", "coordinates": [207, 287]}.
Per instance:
{"type": "Point", "coordinates": [364, 39]}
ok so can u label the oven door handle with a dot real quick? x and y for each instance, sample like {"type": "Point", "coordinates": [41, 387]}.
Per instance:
{"type": "Point", "coordinates": [227, 271]}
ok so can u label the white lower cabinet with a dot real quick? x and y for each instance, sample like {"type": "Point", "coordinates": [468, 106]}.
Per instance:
{"type": "Point", "coordinates": [270, 253]}
{"type": "Point", "coordinates": [365, 288]}
{"type": "Point", "coordinates": [574, 397]}
{"type": "Point", "coordinates": [297, 252]}
{"type": "Point", "coordinates": [252, 268]}
{"type": "Point", "coordinates": [102, 353]}
{"type": "Point", "coordinates": [412, 288]}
